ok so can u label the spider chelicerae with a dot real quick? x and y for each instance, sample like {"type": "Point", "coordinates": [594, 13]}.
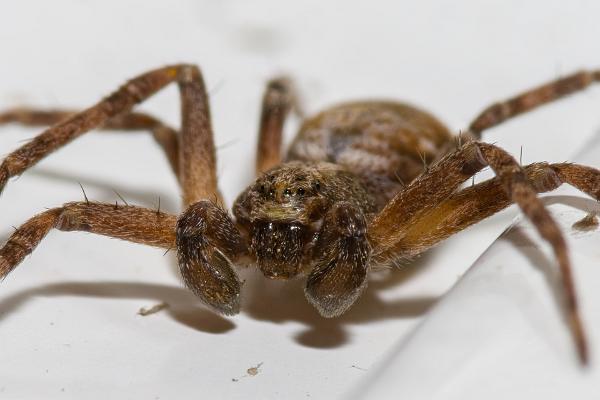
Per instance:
{"type": "Point", "coordinates": [364, 184]}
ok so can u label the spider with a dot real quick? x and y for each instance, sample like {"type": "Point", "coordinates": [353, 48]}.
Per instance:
{"type": "Point", "coordinates": [364, 184]}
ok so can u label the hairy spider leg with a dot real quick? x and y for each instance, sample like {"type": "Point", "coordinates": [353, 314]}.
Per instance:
{"type": "Point", "coordinates": [164, 135]}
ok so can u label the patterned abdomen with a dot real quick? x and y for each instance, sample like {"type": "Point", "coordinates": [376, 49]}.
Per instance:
{"type": "Point", "coordinates": [384, 142]}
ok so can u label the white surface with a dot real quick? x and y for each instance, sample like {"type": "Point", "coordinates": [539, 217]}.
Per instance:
{"type": "Point", "coordinates": [68, 323]}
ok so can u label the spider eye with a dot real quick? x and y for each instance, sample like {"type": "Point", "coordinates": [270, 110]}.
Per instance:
{"type": "Point", "coordinates": [262, 189]}
{"type": "Point", "coordinates": [287, 192]}
{"type": "Point", "coordinates": [301, 191]}
{"type": "Point", "coordinates": [318, 185]}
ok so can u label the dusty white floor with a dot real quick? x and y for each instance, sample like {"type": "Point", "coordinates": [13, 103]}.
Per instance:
{"type": "Point", "coordinates": [68, 316]}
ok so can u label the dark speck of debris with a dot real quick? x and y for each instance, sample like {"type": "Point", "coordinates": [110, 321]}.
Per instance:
{"type": "Point", "coordinates": [587, 223]}
{"type": "Point", "coordinates": [362, 369]}
{"type": "Point", "coordinates": [152, 310]}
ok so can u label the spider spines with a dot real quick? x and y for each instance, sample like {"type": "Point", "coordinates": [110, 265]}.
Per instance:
{"type": "Point", "coordinates": [84, 194]}
{"type": "Point", "coordinates": [521, 156]}
{"type": "Point", "coordinates": [399, 178]}
{"type": "Point", "coordinates": [121, 197]}
{"type": "Point", "coordinates": [423, 158]}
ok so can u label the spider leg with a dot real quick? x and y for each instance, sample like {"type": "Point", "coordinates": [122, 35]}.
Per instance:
{"type": "Point", "coordinates": [500, 112]}
{"type": "Point", "coordinates": [512, 184]}
{"type": "Point", "coordinates": [134, 224]}
{"type": "Point", "coordinates": [163, 134]}
{"type": "Point", "coordinates": [197, 172]}
{"type": "Point", "coordinates": [205, 237]}
{"type": "Point", "coordinates": [424, 193]}
{"type": "Point", "coordinates": [339, 277]}
{"type": "Point", "coordinates": [475, 203]}
{"type": "Point", "coordinates": [279, 98]}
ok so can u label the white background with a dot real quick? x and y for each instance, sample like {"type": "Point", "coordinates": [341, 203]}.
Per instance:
{"type": "Point", "coordinates": [68, 323]}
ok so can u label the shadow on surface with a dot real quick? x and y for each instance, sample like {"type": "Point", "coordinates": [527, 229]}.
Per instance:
{"type": "Point", "coordinates": [264, 300]}
{"type": "Point", "coordinates": [281, 302]}
{"type": "Point", "coordinates": [183, 305]}
{"type": "Point", "coordinates": [547, 266]}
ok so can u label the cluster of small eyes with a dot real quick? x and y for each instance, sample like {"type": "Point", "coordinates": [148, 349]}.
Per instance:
{"type": "Point", "coordinates": [288, 192]}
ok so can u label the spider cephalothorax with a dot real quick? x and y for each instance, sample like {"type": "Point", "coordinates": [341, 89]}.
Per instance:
{"type": "Point", "coordinates": [363, 183]}
{"type": "Point", "coordinates": [282, 213]}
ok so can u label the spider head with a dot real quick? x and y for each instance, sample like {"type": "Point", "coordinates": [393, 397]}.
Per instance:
{"type": "Point", "coordinates": [291, 193]}
{"type": "Point", "coordinates": [280, 211]}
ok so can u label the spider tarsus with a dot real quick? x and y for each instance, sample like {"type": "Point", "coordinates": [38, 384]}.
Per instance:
{"type": "Point", "coordinates": [580, 338]}
{"type": "Point", "coordinates": [587, 223]}
{"type": "Point", "coordinates": [12, 115]}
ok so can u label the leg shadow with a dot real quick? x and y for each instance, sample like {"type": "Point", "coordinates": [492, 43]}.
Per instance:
{"type": "Point", "coordinates": [183, 305]}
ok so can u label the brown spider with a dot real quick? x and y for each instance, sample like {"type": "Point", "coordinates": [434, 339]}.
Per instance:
{"type": "Point", "coordinates": [364, 184]}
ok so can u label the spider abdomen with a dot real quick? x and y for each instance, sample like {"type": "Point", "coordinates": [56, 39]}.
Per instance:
{"type": "Point", "coordinates": [385, 143]}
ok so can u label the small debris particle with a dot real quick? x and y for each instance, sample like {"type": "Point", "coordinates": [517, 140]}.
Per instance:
{"type": "Point", "coordinates": [362, 369]}
{"type": "Point", "coordinates": [152, 310]}
{"type": "Point", "coordinates": [587, 223]}
{"type": "Point", "coordinates": [253, 371]}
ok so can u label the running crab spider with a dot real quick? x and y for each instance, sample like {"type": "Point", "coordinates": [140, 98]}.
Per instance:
{"type": "Point", "coordinates": [363, 184]}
